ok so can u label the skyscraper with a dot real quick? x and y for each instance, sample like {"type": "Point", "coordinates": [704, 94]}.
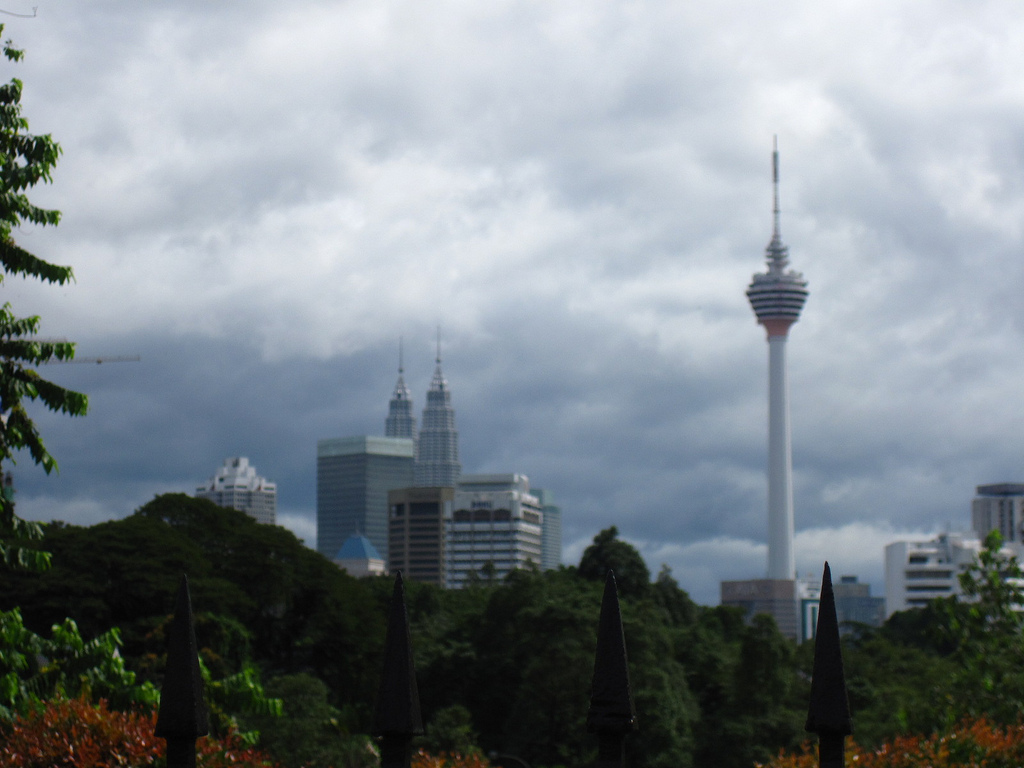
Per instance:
{"type": "Point", "coordinates": [353, 477]}
{"type": "Point", "coordinates": [551, 533]}
{"type": "Point", "coordinates": [400, 421]}
{"type": "Point", "coordinates": [417, 533]}
{"type": "Point", "coordinates": [437, 458]}
{"type": "Point", "coordinates": [777, 296]}
{"type": "Point", "coordinates": [236, 485]}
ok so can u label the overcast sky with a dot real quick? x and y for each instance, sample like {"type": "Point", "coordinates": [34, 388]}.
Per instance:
{"type": "Point", "coordinates": [260, 198]}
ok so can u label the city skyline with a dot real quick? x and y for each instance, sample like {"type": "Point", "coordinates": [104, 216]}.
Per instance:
{"type": "Point", "coordinates": [260, 200]}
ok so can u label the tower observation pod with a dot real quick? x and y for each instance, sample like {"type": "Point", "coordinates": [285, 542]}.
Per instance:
{"type": "Point", "coordinates": [777, 296]}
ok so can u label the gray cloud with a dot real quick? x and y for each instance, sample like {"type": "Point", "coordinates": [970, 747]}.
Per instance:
{"type": "Point", "coordinates": [260, 199]}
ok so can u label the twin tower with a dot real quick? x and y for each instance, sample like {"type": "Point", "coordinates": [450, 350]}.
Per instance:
{"type": "Point", "coordinates": [355, 474]}
{"type": "Point", "coordinates": [437, 444]}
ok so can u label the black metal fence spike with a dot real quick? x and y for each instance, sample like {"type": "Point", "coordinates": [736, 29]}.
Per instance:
{"type": "Point", "coordinates": [182, 717]}
{"type": "Point", "coordinates": [611, 715]}
{"type": "Point", "coordinates": [829, 712]}
{"type": "Point", "coordinates": [397, 714]}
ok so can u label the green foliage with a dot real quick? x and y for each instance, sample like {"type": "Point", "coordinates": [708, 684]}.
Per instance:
{"type": "Point", "coordinates": [239, 694]}
{"type": "Point", "coordinates": [34, 669]}
{"type": "Point", "coordinates": [25, 160]}
{"type": "Point", "coordinates": [311, 733]}
{"type": "Point", "coordinates": [261, 597]}
{"type": "Point", "coordinates": [608, 553]}
{"type": "Point", "coordinates": [505, 666]}
{"type": "Point", "coordinates": [451, 730]}
{"type": "Point", "coordinates": [991, 588]}
{"type": "Point", "coordinates": [985, 625]}
{"type": "Point", "coordinates": [896, 686]}
{"type": "Point", "coordinates": [15, 533]}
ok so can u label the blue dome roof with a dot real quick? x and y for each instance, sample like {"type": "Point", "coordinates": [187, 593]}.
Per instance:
{"type": "Point", "coordinates": [357, 547]}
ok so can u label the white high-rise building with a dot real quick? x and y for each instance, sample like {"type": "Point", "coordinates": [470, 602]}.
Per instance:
{"type": "Point", "coordinates": [236, 485]}
{"type": "Point", "coordinates": [777, 296]}
{"type": "Point", "coordinates": [919, 571]}
{"type": "Point", "coordinates": [496, 526]}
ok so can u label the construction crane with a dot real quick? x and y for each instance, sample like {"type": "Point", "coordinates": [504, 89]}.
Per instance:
{"type": "Point", "coordinates": [97, 360]}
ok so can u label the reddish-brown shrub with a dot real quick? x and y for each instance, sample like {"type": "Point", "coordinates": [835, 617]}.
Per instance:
{"type": "Point", "coordinates": [971, 743]}
{"type": "Point", "coordinates": [75, 733]}
{"type": "Point", "coordinates": [423, 759]}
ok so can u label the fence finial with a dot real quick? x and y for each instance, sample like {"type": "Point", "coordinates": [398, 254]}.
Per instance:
{"type": "Point", "coordinates": [397, 715]}
{"type": "Point", "coordinates": [183, 717]}
{"type": "Point", "coordinates": [611, 713]}
{"type": "Point", "coordinates": [829, 712]}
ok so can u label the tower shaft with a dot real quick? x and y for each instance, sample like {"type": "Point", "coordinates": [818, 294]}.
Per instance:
{"type": "Point", "coordinates": [781, 563]}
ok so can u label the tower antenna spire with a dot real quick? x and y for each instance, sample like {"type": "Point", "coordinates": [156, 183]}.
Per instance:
{"type": "Point", "coordinates": [401, 366]}
{"type": "Point", "coordinates": [775, 186]}
{"type": "Point", "coordinates": [439, 345]}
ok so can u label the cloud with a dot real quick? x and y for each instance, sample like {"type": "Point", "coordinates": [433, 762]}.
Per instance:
{"type": "Point", "coordinates": [260, 202]}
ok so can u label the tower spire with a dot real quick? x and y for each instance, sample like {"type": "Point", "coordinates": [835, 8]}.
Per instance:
{"type": "Point", "coordinates": [437, 459]}
{"type": "Point", "coordinates": [400, 421]}
{"type": "Point", "coordinates": [775, 187]}
{"type": "Point", "coordinates": [776, 254]}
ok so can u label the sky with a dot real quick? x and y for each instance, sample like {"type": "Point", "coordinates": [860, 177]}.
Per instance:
{"type": "Point", "coordinates": [260, 199]}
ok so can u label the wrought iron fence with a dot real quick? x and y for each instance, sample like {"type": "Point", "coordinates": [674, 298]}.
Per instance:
{"type": "Point", "coordinates": [183, 717]}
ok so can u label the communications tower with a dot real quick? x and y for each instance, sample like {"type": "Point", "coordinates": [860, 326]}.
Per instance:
{"type": "Point", "coordinates": [777, 296]}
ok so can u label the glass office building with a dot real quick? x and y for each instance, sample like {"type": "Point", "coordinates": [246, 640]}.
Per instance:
{"type": "Point", "coordinates": [353, 477]}
{"type": "Point", "coordinates": [551, 530]}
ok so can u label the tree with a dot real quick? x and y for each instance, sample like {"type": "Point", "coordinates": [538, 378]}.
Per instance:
{"type": "Point", "coordinates": [985, 625]}
{"type": "Point", "coordinates": [607, 552]}
{"type": "Point", "coordinates": [25, 160]}
{"type": "Point", "coordinates": [34, 669]}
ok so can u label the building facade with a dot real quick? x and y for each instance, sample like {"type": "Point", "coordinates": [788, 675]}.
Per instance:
{"type": "Point", "coordinates": [437, 457]}
{"type": "Point", "coordinates": [853, 600]}
{"type": "Point", "coordinates": [551, 531]}
{"type": "Point", "coordinates": [776, 597]}
{"type": "Point", "coordinates": [496, 527]}
{"type": "Point", "coordinates": [919, 571]}
{"type": "Point", "coordinates": [999, 507]}
{"type": "Point", "coordinates": [353, 477]}
{"type": "Point", "coordinates": [236, 485]}
{"type": "Point", "coordinates": [417, 533]}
